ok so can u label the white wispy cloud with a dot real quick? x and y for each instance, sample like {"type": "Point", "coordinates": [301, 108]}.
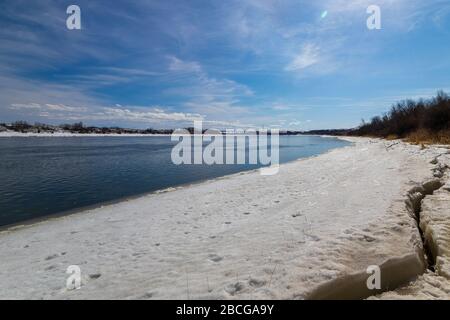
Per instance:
{"type": "Point", "coordinates": [205, 94]}
{"type": "Point", "coordinates": [143, 116]}
{"type": "Point", "coordinates": [192, 80]}
{"type": "Point", "coordinates": [178, 65]}
{"type": "Point", "coordinates": [127, 113]}
{"type": "Point", "coordinates": [308, 56]}
{"type": "Point", "coordinates": [26, 106]}
{"type": "Point", "coordinates": [46, 107]}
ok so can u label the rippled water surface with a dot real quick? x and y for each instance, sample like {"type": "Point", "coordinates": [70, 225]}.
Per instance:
{"type": "Point", "coordinates": [42, 176]}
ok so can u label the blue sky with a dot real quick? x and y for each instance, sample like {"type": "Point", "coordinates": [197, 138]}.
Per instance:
{"type": "Point", "coordinates": [243, 63]}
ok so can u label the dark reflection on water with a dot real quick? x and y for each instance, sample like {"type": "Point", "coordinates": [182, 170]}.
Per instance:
{"type": "Point", "coordinates": [42, 176]}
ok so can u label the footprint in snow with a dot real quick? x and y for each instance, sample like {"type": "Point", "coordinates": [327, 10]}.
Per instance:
{"type": "Point", "coordinates": [215, 258]}
{"type": "Point", "coordinates": [234, 288]}
{"type": "Point", "coordinates": [53, 256]}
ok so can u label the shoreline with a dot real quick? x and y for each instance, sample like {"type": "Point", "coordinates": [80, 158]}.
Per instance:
{"type": "Point", "coordinates": [80, 210]}
{"type": "Point", "coordinates": [243, 236]}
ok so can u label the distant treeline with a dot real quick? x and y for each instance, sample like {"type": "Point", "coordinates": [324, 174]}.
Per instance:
{"type": "Point", "coordinates": [422, 121]}
{"type": "Point", "coordinates": [418, 121]}
{"type": "Point", "coordinates": [80, 128]}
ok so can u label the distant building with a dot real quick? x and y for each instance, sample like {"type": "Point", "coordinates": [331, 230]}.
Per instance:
{"type": "Point", "coordinates": [2, 128]}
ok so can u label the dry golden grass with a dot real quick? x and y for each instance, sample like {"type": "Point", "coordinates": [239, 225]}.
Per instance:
{"type": "Point", "coordinates": [423, 136]}
{"type": "Point", "coordinates": [392, 137]}
{"type": "Point", "coordinates": [443, 137]}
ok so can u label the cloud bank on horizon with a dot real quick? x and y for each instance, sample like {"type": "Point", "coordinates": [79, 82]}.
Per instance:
{"type": "Point", "coordinates": [291, 64]}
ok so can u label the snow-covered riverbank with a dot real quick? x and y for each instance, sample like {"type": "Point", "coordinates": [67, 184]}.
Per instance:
{"type": "Point", "coordinates": [320, 221]}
